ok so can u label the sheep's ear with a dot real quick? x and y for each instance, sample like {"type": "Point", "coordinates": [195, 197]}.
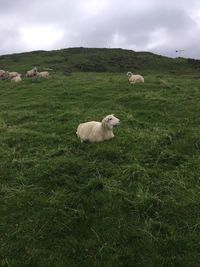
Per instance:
{"type": "Point", "coordinates": [105, 119]}
{"type": "Point", "coordinates": [109, 118]}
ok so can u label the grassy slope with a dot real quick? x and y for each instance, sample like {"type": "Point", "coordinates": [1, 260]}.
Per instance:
{"type": "Point", "coordinates": [96, 59]}
{"type": "Point", "coordinates": [132, 201]}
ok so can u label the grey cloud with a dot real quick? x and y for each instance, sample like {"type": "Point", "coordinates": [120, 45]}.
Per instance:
{"type": "Point", "coordinates": [158, 26]}
{"type": "Point", "coordinates": [135, 28]}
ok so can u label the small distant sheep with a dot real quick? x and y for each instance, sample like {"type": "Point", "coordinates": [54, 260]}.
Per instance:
{"type": "Point", "coordinates": [13, 74]}
{"type": "Point", "coordinates": [47, 69]}
{"type": "Point", "coordinates": [94, 131]}
{"type": "Point", "coordinates": [31, 73]}
{"type": "Point", "coordinates": [16, 78]}
{"type": "Point", "coordinates": [43, 74]}
{"type": "Point", "coordinates": [134, 78]}
{"type": "Point", "coordinates": [3, 74]}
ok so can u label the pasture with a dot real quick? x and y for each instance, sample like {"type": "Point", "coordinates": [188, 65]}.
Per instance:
{"type": "Point", "coordinates": [131, 201]}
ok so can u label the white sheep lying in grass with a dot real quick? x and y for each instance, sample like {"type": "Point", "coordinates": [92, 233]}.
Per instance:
{"type": "Point", "coordinates": [94, 131]}
{"type": "Point", "coordinates": [16, 78]}
{"type": "Point", "coordinates": [31, 73]}
{"type": "Point", "coordinates": [12, 74]}
{"type": "Point", "coordinates": [134, 78]}
{"type": "Point", "coordinates": [43, 74]}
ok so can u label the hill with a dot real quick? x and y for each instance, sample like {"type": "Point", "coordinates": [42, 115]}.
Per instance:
{"type": "Point", "coordinates": [97, 60]}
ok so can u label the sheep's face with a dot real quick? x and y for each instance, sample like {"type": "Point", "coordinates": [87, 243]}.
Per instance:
{"type": "Point", "coordinates": [111, 121]}
{"type": "Point", "coordinates": [129, 74]}
{"type": "Point", "coordinates": [35, 70]}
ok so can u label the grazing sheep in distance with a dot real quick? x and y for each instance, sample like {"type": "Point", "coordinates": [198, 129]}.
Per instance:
{"type": "Point", "coordinates": [13, 74]}
{"type": "Point", "coordinates": [94, 131]}
{"type": "Point", "coordinates": [134, 78]}
{"type": "Point", "coordinates": [17, 78]}
{"type": "Point", "coordinates": [43, 74]}
{"type": "Point", "coordinates": [31, 73]}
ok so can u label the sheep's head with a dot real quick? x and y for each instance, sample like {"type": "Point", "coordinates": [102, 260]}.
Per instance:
{"type": "Point", "coordinates": [6, 74]}
{"type": "Point", "coordinates": [129, 73]}
{"type": "Point", "coordinates": [35, 70]}
{"type": "Point", "coordinates": [110, 120]}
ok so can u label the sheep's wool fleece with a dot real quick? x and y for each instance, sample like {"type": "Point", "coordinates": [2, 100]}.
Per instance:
{"type": "Point", "coordinates": [13, 74]}
{"type": "Point", "coordinates": [43, 74]}
{"type": "Point", "coordinates": [136, 79]}
{"type": "Point", "coordinates": [16, 79]}
{"type": "Point", "coordinates": [92, 131]}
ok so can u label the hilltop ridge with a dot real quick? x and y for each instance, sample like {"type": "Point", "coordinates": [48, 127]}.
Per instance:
{"type": "Point", "coordinates": [97, 60]}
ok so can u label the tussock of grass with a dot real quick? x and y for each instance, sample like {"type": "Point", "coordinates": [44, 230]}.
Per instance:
{"type": "Point", "coordinates": [131, 201]}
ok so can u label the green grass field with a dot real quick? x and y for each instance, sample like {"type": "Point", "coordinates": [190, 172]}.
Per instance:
{"type": "Point", "coordinates": [132, 201]}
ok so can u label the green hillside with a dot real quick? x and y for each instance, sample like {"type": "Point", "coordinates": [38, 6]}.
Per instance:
{"type": "Point", "coordinates": [130, 201]}
{"type": "Point", "coordinates": [98, 60]}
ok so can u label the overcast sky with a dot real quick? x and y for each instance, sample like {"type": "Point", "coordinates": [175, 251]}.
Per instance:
{"type": "Point", "coordinates": [160, 26]}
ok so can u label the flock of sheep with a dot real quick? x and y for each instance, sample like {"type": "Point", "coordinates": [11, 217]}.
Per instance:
{"type": "Point", "coordinates": [16, 77]}
{"type": "Point", "coordinates": [92, 131]}
{"type": "Point", "coordinates": [95, 131]}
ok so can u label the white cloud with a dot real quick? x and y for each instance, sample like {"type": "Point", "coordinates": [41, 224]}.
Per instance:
{"type": "Point", "coordinates": [92, 8]}
{"type": "Point", "coordinates": [157, 38]}
{"type": "Point", "coordinates": [41, 37]}
{"type": "Point", "coordinates": [118, 40]}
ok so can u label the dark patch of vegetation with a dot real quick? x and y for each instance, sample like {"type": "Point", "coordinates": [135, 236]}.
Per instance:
{"type": "Point", "coordinates": [97, 60]}
{"type": "Point", "coordinates": [194, 62]}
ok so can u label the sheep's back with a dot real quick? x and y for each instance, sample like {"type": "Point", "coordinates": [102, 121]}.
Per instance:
{"type": "Point", "coordinates": [16, 79]}
{"type": "Point", "coordinates": [136, 78]}
{"type": "Point", "coordinates": [13, 74]}
{"type": "Point", "coordinates": [43, 74]}
{"type": "Point", "coordinates": [87, 130]}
